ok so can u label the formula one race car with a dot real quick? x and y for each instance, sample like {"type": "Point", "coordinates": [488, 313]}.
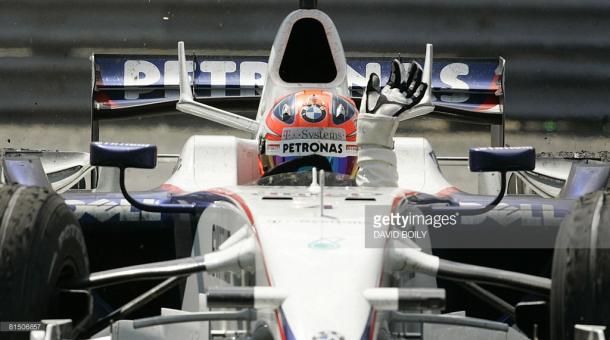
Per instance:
{"type": "Point", "coordinates": [274, 238]}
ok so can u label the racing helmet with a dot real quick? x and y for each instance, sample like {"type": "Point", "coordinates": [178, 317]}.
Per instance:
{"type": "Point", "coordinates": [310, 122]}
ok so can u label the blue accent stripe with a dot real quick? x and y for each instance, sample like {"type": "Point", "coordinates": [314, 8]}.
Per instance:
{"type": "Point", "coordinates": [287, 331]}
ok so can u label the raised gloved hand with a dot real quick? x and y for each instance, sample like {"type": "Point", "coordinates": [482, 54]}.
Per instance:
{"type": "Point", "coordinates": [381, 109]}
{"type": "Point", "coordinates": [380, 112]}
{"type": "Point", "coordinates": [403, 91]}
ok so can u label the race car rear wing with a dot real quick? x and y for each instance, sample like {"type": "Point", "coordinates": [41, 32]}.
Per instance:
{"type": "Point", "coordinates": [467, 90]}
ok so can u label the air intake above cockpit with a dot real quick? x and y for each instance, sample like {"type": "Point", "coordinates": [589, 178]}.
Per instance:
{"type": "Point", "coordinates": [308, 58]}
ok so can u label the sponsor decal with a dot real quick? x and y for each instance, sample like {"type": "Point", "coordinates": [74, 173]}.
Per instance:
{"type": "Point", "coordinates": [245, 76]}
{"type": "Point", "coordinates": [328, 335]}
{"type": "Point", "coordinates": [250, 72]}
{"type": "Point", "coordinates": [329, 142]}
{"type": "Point", "coordinates": [272, 149]}
{"type": "Point", "coordinates": [104, 210]}
{"type": "Point", "coordinates": [219, 236]}
{"type": "Point", "coordinates": [314, 133]}
{"type": "Point", "coordinates": [313, 113]}
{"type": "Point", "coordinates": [304, 147]}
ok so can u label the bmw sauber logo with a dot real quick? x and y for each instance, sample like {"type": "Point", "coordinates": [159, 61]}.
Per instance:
{"type": "Point", "coordinates": [313, 113]}
{"type": "Point", "coordinates": [328, 335]}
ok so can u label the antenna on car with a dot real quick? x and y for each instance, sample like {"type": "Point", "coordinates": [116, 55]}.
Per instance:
{"type": "Point", "coordinates": [314, 188]}
{"type": "Point", "coordinates": [322, 192]}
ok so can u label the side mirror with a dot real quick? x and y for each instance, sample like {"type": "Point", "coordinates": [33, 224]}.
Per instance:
{"type": "Point", "coordinates": [498, 159]}
{"type": "Point", "coordinates": [502, 159]}
{"type": "Point", "coordinates": [122, 155]}
{"type": "Point", "coordinates": [141, 156]}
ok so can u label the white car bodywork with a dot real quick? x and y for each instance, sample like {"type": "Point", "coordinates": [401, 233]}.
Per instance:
{"type": "Point", "coordinates": [318, 260]}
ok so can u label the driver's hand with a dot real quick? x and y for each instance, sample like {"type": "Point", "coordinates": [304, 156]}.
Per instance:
{"type": "Point", "coordinates": [403, 91]}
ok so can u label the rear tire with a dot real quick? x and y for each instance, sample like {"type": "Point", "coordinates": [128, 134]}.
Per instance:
{"type": "Point", "coordinates": [41, 246]}
{"type": "Point", "coordinates": [580, 291]}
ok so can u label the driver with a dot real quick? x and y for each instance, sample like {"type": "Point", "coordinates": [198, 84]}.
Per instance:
{"type": "Point", "coordinates": [310, 122]}
{"type": "Point", "coordinates": [318, 128]}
